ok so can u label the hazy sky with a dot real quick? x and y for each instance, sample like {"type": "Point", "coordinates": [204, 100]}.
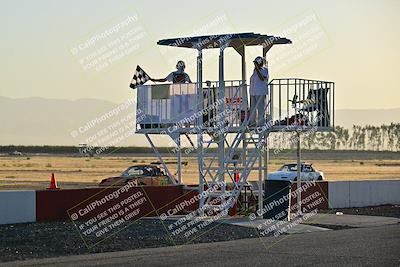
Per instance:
{"type": "Point", "coordinates": [46, 46]}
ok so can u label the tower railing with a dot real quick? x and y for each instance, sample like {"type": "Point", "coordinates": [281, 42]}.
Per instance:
{"type": "Point", "coordinates": [302, 103]}
{"type": "Point", "coordinates": [292, 103]}
{"type": "Point", "coordinates": [179, 106]}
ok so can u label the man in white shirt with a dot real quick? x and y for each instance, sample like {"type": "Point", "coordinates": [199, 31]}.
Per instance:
{"type": "Point", "coordinates": [178, 76]}
{"type": "Point", "coordinates": [258, 92]}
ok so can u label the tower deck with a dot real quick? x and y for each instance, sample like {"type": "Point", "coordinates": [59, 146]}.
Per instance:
{"type": "Point", "coordinates": [292, 104]}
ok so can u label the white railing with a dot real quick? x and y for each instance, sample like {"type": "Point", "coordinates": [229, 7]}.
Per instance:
{"type": "Point", "coordinates": [290, 102]}
{"type": "Point", "coordinates": [180, 105]}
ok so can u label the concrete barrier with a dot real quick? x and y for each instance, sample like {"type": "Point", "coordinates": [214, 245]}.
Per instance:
{"type": "Point", "coordinates": [348, 194]}
{"type": "Point", "coordinates": [339, 194]}
{"type": "Point", "coordinates": [17, 206]}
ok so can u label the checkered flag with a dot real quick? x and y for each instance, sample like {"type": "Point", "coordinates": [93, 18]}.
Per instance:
{"type": "Point", "coordinates": [139, 78]}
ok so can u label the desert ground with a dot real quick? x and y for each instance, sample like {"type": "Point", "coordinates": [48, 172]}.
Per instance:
{"type": "Point", "coordinates": [74, 171]}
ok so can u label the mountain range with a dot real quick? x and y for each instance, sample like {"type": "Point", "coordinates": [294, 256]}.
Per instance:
{"type": "Point", "coordinates": [42, 121]}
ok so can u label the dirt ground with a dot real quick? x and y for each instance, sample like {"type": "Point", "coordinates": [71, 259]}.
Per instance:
{"type": "Point", "coordinates": [72, 171]}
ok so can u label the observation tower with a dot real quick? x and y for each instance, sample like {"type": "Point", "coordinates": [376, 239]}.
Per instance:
{"type": "Point", "coordinates": [214, 117]}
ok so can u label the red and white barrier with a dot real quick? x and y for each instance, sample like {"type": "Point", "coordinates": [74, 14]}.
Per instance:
{"type": "Point", "coordinates": [46, 205]}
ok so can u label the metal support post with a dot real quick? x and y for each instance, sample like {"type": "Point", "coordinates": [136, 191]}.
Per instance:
{"type": "Point", "coordinates": [298, 173]}
{"type": "Point", "coordinates": [179, 151]}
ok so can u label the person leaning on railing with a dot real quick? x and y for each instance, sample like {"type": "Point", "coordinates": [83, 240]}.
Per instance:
{"type": "Point", "coordinates": [258, 91]}
{"type": "Point", "coordinates": [178, 76]}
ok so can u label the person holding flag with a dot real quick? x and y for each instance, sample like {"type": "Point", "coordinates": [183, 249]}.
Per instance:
{"type": "Point", "coordinates": [178, 76]}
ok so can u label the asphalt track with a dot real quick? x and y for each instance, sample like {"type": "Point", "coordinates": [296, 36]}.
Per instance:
{"type": "Point", "coordinates": [374, 246]}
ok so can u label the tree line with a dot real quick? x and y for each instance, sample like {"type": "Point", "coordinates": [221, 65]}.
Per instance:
{"type": "Point", "coordinates": [376, 138]}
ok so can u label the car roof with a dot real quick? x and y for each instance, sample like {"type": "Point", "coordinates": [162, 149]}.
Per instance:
{"type": "Point", "coordinates": [144, 165]}
{"type": "Point", "coordinates": [295, 163]}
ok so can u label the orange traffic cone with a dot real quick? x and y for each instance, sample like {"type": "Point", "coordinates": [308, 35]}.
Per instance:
{"type": "Point", "coordinates": [53, 183]}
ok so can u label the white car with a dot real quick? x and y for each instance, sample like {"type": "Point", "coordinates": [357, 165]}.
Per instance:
{"type": "Point", "coordinates": [15, 153]}
{"type": "Point", "coordinates": [288, 172]}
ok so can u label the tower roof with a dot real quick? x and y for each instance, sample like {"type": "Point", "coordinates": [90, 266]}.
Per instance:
{"type": "Point", "coordinates": [231, 40]}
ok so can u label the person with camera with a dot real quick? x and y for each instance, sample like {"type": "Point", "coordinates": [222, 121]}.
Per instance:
{"type": "Point", "coordinates": [258, 92]}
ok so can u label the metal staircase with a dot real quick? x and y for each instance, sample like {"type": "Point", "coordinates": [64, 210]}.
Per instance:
{"type": "Point", "coordinates": [217, 165]}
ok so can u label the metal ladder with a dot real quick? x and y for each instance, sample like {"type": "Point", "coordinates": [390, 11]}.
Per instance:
{"type": "Point", "coordinates": [247, 157]}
